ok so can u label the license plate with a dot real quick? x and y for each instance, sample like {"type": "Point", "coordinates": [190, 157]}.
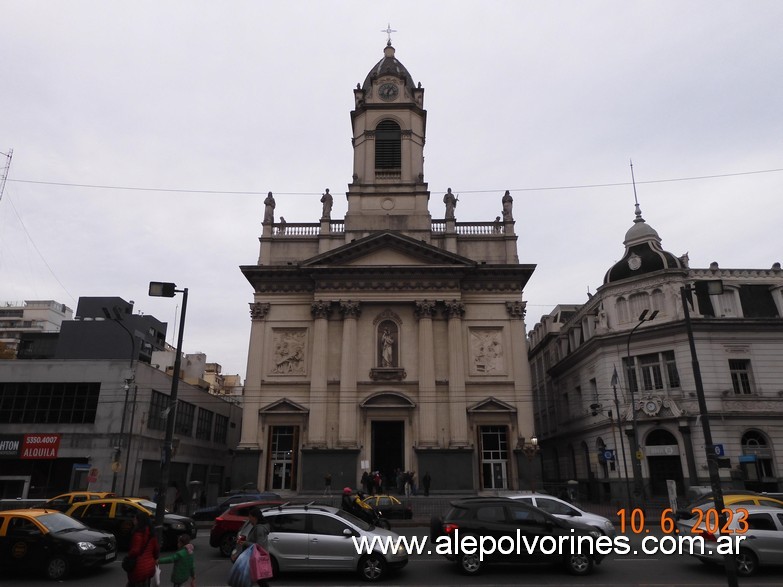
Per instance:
{"type": "Point", "coordinates": [110, 556]}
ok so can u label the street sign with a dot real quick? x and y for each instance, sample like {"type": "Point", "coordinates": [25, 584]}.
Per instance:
{"type": "Point", "coordinates": [718, 449]}
{"type": "Point", "coordinates": [116, 466]}
{"type": "Point", "coordinates": [608, 454]}
{"type": "Point", "coordinates": [92, 476]}
{"type": "Point", "coordinates": [639, 455]}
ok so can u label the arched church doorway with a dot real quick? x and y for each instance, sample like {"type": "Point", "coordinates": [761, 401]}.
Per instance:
{"type": "Point", "coordinates": [388, 452]}
{"type": "Point", "coordinates": [663, 461]}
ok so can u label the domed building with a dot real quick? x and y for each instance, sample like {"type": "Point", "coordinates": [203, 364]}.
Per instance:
{"type": "Point", "coordinates": [392, 339]}
{"type": "Point", "coordinates": [616, 400]}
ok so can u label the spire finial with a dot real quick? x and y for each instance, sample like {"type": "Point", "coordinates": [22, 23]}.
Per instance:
{"type": "Point", "coordinates": [638, 210]}
{"type": "Point", "coordinates": [388, 30]}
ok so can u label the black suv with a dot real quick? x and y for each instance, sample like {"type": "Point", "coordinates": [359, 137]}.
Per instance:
{"type": "Point", "coordinates": [508, 522]}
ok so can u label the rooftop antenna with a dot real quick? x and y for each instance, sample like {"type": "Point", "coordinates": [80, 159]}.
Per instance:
{"type": "Point", "coordinates": [388, 30]}
{"type": "Point", "coordinates": [7, 167]}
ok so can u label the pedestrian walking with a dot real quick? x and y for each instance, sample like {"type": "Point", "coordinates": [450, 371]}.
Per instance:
{"type": "Point", "coordinates": [184, 564]}
{"type": "Point", "coordinates": [328, 484]}
{"type": "Point", "coordinates": [144, 551]}
{"type": "Point", "coordinates": [425, 482]}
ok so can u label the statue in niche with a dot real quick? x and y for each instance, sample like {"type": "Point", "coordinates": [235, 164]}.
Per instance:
{"type": "Point", "coordinates": [289, 353]}
{"type": "Point", "coordinates": [387, 344]}
{"type": "Point", "coordinates": [487, 352]}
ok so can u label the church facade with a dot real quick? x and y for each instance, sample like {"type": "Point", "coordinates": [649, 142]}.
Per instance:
{"type": "Point", "coordinates": [388, 339]}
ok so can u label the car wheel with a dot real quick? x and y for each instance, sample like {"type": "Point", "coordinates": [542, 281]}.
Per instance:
{"type": "Point", "coordinates": [470, 564]}
{"type": "Point", "coordinates": [227, 543]}
{"type": "Point", "coordinates": [747, 563]}
{"type": "Point", "coordinates": [372, 567]}
{"type": "Point", "coordinates": [579, 564]}
{"type": "Point", "coordinates": [56, 568]}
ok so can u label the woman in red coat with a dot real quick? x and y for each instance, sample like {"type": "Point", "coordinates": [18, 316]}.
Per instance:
{"type": "Point", "coordinates": [144, 548]}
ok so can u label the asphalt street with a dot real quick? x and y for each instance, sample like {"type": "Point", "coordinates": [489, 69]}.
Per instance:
{"type": "Point", "coordinates": [433, 570]}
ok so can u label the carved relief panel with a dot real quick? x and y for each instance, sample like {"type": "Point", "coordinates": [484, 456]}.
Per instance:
{"type": "Point", "coordinates": [486, 351]}
{"type": "Point", "coordinates": [289, 348]}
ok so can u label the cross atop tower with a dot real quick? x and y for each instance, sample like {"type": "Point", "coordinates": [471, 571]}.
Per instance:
{"type": "Point", "coordinates": [388, 30]}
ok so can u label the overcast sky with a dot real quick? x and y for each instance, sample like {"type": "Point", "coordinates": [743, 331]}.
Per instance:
{"type": "Point", "coordinates": [541, 98]}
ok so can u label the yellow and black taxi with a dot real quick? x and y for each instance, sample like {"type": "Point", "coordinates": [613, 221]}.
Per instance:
{"type": "Point", "coordinates": [66, 500]}
{"type": "Point", "coordinates": [391, 507]}
{"type": "Point", "coordinates": [48, 541]}
{"type": "Point", "coordinates": [116, 515]}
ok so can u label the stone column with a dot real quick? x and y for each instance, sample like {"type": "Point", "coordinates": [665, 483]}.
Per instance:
{"type": "Point", "coordinates": [520, 370]}
{"type": "Point", "coordinates": [253, 385]}
{"type": "Point", "coordinates": [347, 408]}
{"type": "Point", "coordinates": [428, 428]}
{"type": "Point", "coordinates": [316, 436]}
{"type": "Point", "coordinates": [458, 416]}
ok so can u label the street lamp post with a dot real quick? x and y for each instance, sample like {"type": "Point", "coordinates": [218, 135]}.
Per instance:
{"type": "Point", "coordinates": [636, 461]}
{"type": "Point", "coordinates": [531, 449]}
{"type": "Point", "coordinates": [168, 290]}
{"type": "Point", "coordinates": [714, 287]}
{"type": "Point", "coordinates": [116, 317]}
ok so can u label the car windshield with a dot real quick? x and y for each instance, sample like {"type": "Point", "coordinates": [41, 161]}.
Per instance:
{"type": "Point", "coordinates": [354, 520]}
{"type": "Point", "coordinates": [60, 522]}
{"type": "Point", "coordinates": [150, 505]}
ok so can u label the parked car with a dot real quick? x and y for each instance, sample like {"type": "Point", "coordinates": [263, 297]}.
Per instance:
{"type": "Point", "coordinates": [391, 507]}
{"type": "Point", "coordinates": [743, 498]}
{"type": "Point", "coordinates": [763, 538]}
{"type": "Point", "coordinates": [40, 540]}
{"type": "Point", "coordinates": [66, 500]}
{"type": "Point", "coordinates": [115, 515]}
{"type": "Point", "coordinates": [562, 509]}
{"type": "Point", "coordinates": [318, 538]}
{"type": "Point", "coordinates": [207, 514]}
{"type": "Point", "coordinates": [223, 534]}
{"type": "Point", "coordinates": [502, 517]}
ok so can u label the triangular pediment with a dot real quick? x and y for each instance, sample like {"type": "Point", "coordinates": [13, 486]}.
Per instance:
{"type": "Point", "coordinates": [283, 406]}
{"type": "Point", "coordinates": [492, 405]}
{"type": "Point", "coordinates": [388, 249]}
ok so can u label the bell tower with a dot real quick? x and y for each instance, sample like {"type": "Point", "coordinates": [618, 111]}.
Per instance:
{"type": "Point", "coordinates": [388, 191]}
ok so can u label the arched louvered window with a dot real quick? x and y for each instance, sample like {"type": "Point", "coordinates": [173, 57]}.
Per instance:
{"type": "Point", "coordinates": [388, 146]}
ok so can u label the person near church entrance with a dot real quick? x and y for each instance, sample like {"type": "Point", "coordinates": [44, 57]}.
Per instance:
{"type": "Point", "coordinates": [365, 482]}
{"type": "Point", "coordinates": [451, 202]}
{"type": "Point", "coordinates": [269, 209]}
{"type": "Point", "coordinates": [425, 482]}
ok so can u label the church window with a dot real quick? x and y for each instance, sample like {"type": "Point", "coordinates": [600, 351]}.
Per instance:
{"type": "Point", "coordinates": [388, 146]}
